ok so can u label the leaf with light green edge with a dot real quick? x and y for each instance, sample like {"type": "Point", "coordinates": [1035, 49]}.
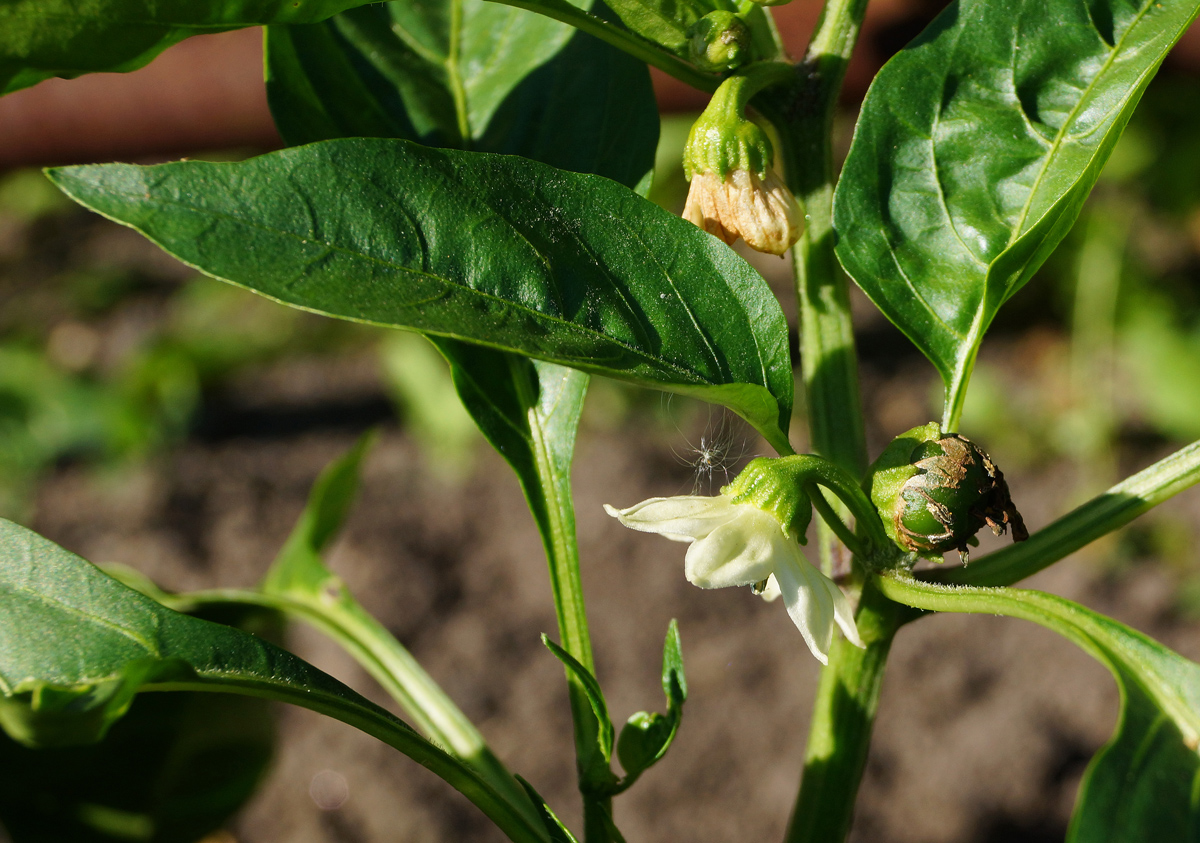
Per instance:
{"type": "Point", "coordinates": [1143, 785]}
{"type": "Point", "coordinates": [44, 38]}
{"type": "Point", "coordinates": [975, 150]}
{"type": "Point", "coordinates": [587, 107]}
{"type": "Point", "coordinates": [175, 768]}
{"type": "Point", "coordinates": [489, 249]}
{"type": "Point", "coordinates": [604, 736]}
{"type": "Point", "coordinates": [76, 646]}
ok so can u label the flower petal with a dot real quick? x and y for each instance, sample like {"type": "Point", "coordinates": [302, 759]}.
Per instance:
{"type": "Point", "coordinates": [809, 604]}
{"type": "Point", "coordinates": [683, 519]}
{"type": "Point", "coordinates": [814, 603]}
{"type": "Point", "coordinates": [744, 550]}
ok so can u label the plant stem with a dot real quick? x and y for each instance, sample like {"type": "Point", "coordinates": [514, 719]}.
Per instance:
{"type": "Point", "coordinates": [1103, 514]}
{"type": "Point", "coordinates": [635, 45]}
{"type": "Point", "coordinates": [844, 711]}
{"type": "Point", "coordinates": [843, 716]}
{"type": "Point", "coordinates": [803, 113]}
{"type": "Point", "coordinates": [394, 668]}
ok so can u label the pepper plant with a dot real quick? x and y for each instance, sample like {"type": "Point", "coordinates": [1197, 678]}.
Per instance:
{"type": "Point", "coordinates": [476, 172]}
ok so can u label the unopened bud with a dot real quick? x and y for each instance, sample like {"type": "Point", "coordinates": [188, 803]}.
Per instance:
{"type": "Point", "coordinates": [935, 491]}
{"type": "Point", "coordinates": [719, 41]}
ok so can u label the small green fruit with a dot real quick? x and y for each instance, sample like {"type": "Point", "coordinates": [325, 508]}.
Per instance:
{"type": "Point", "coordinates": [935, 491]}
{"type": "Point", "coordinates": [720, 41]}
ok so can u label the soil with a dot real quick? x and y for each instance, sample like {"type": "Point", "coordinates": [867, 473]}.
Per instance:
{"type": "Point", "coordinates": [985, 727]}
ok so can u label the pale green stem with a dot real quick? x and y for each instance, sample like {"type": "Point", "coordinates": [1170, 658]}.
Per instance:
{"type": "Point", "coordinates": [844, 711]}
{"type": "Point", "coordinates": [1103, 514]}
{"type": "Point", "coordinates": [843, 716]}
{"type": "Point", "coordinates": [394, 668]}
{"type": "Point", "coordinates": [379, 724]}
{"type": "Point", "coordinates": [636, 46]}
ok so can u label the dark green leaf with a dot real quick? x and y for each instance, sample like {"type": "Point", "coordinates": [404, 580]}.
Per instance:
{"type": "Point", "coordinates": [975, 150]}
{"type": "Point", "coordinates": [495, 250]}
{"type": "Point", "coordinates": [44, 38]}
{"type": "Point", "coordinates": [76, 646]}
{"type": "Point", "coordinates": [587, 108]}
{"type": "Point", "coordinates": [173, 769]}
{"type": "Point", "coordinates": [604, 736]}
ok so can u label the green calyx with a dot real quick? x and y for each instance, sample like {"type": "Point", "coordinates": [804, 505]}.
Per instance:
{"type": "Point", "coordinates": [719, 41]}
{"type": "Point", "coordinates": [723, 139]}
{"type": "Point", "coordinates": [775, 485]}
{"type": "Point", "coordinates": [935, 491]}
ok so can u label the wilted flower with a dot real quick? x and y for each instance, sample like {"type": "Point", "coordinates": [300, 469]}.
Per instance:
{"type": "Point", "coordinates": [760, 210]}
{"type": "Point", "coordinates": [740, 544]}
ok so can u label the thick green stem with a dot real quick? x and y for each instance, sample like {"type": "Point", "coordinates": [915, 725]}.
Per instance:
{"type": "Point", "coordinates": [844, 711]}
{"type": "Point", "coordinates": [843, 716]}
{"type": "Point", "coordinates": [803, 113]}
{"type": "Point", "coordinates": [1103, 514]}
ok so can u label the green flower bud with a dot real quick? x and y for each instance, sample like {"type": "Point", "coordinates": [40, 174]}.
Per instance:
{"type": "Point", "coordinates": [719, 41]}
{"type": "Point", "coordinates": [935, 491]}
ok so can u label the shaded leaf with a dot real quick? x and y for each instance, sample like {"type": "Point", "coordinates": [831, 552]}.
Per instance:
{"type": "Point", "coordinates": [76, 646]}
{"type": "Point", "coordinates": [585, 106]}
{"type": "Point", "coordinates": [44, 38]}
{"type": "Point", "coordinates": [559, 833]}
{"type": "Point", "coordinates": [173, 769]}
{"type": "Point", "coordinates": [495, 250]}
{"type": "Point", "coordinates": [975, 150]}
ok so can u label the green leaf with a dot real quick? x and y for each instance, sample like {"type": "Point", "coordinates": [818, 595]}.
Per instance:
{"type": "Point", "coordinates": [1142, 785]}
{"type": "Point", "coordinates": [646, 736]}
{"type": "Point", "coordinates": [44, 38]}
{"type": "Point", "coordinates": [495, 250]}
{"type": "Point", "coordinates": [558, 832]}
{"type": "Point", "coordinates": [566, 100]}
{"type": "Point", "coordinates": [173, 769]}
{"type": "Point", "coordinates": [673, 681]}
{"type": "Point", "coordinates": [975, 150]}
{"type": "Point", "coordinates": [604, 735]}
{"type": "Point", "coordinates": [76, 646]}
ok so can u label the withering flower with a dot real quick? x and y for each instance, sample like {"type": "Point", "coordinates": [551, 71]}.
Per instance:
{"type": "Point", "coordinates": [760, 210]}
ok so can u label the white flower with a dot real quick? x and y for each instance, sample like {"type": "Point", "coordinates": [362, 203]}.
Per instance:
{"type": "Point", "coordinates": [740, 544]}
{"type": "Point", "coordinates": [762, 211]}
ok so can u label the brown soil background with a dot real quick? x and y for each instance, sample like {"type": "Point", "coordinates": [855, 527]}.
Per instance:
{"type": "Point", "coordinates": [986, 723]}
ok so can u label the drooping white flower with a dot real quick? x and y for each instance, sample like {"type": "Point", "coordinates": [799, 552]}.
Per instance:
{"type": "Point", "coordinates": [740, 544]}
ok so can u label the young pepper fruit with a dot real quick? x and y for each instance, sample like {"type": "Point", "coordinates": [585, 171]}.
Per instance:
{"type": "Point", "coordinates": [935, 491]}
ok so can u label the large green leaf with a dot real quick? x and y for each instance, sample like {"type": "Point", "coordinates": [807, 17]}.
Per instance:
{"type": "Point", "coordinates": [547, 93]}
{"type": "Point", "coordinates": [173, 769]}
{"type": "Point", "coordinates": [44, 38]}
{"type": "Point", "coordinates": [76, 646]}
{"type": "Point", "coordinates": [1144, 785]}
{"type": "Point", "coordinates": [975, 150]}
{"type": "Point", "coordinates": [489, 249]}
